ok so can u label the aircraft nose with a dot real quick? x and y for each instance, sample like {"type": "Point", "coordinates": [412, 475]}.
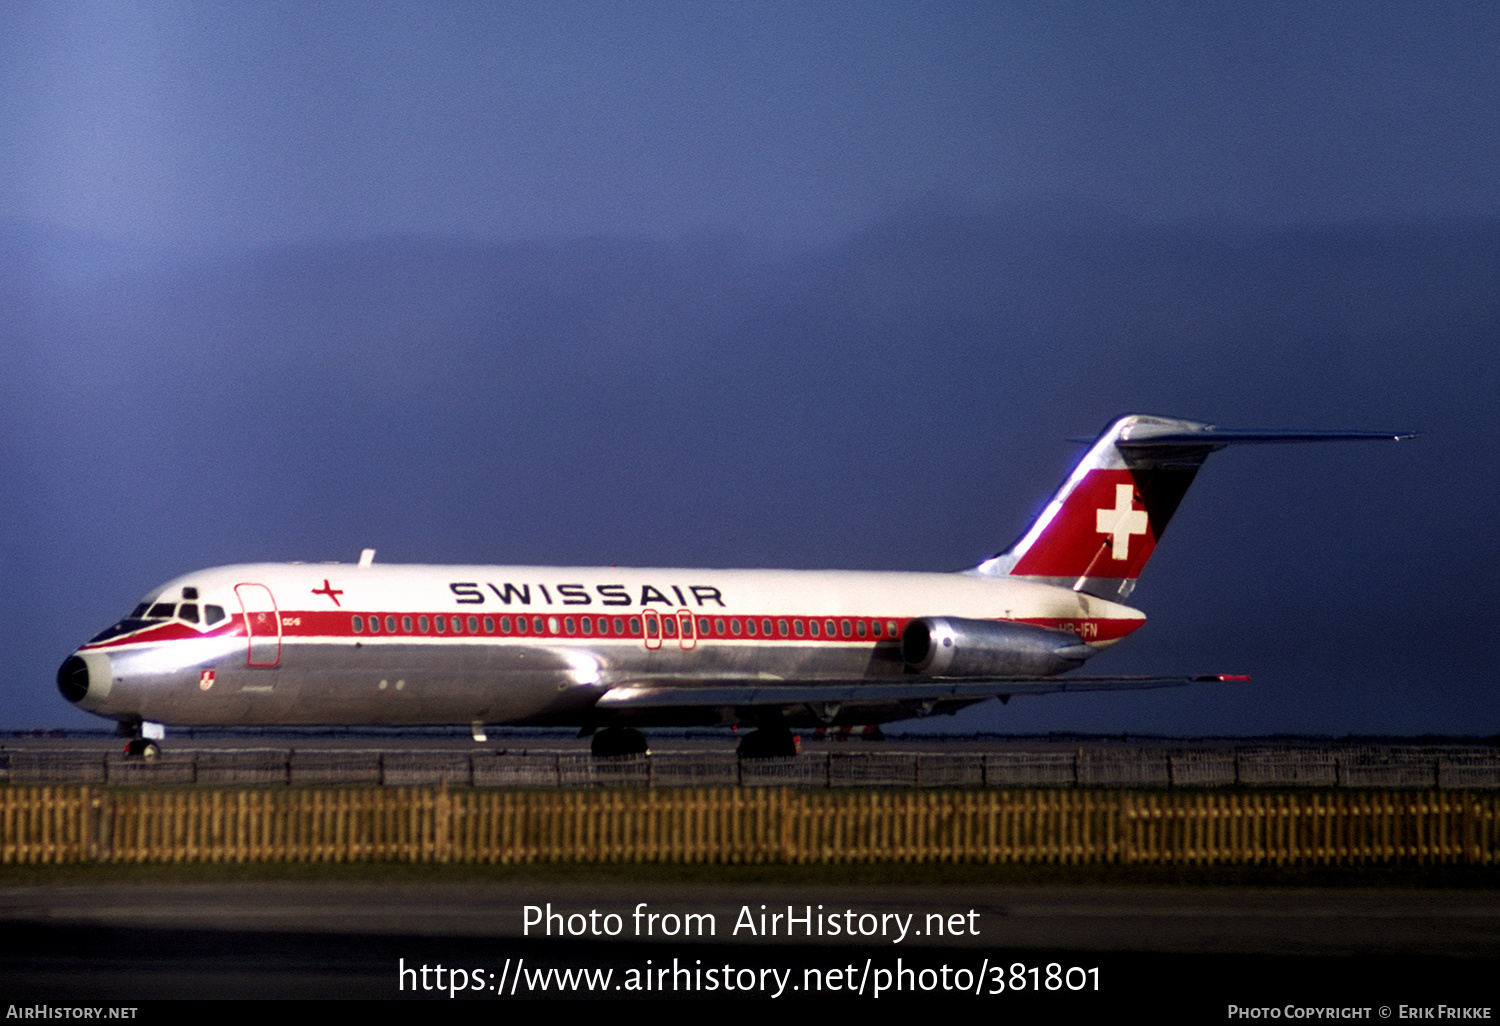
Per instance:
{"type": "Point", "coordinates": [85, 679]}
{"type": "Point", "coordinates": [73, 679]}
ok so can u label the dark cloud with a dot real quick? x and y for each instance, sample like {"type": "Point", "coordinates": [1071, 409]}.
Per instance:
{"type": "Point", "coordinates": [899, 400]}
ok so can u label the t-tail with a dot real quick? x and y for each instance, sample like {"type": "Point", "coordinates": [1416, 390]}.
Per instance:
{"type": "Point", "coordinates": [1100, 528]}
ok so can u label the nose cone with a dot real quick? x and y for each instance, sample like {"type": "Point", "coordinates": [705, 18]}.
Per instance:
{"type": "Point", "coordinates": [84, 678]}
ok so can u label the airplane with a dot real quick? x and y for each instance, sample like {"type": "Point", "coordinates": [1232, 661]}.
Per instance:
{"type": "Point", "coordinates": [611, 650]}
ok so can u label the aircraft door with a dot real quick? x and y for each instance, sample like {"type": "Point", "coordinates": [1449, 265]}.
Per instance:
{"type": "Point", "coordinates": [652, 623]}
{"type": "Point", "coordinates": [687, 637]}
{"type": "Point", "coordinates": [262, 624]}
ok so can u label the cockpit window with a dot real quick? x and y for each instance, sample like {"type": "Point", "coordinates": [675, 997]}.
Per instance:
{"type": "Point", "coordinates": [123, 627]}
{"type": "Point", "coordinates": [212, 614]}
{"type": "Point", "coordinates": [149, 614]}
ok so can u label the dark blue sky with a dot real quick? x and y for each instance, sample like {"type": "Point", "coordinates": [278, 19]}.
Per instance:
{"type": "Point", "coordinates": [189, 123]}
{"type": "Point", "coordinates": [765, 285]}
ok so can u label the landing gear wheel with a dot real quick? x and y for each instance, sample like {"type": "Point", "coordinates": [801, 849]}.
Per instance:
{"type": "Point", "coordinates": [769, 743]}
{"type": "Point", "coordinates": [140, 748]}
{"type": "Point", "coordinates": [618, 741]}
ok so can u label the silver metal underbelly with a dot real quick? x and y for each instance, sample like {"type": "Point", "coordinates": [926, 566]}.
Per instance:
{"type": "Point", "coordinates": [403, 684]}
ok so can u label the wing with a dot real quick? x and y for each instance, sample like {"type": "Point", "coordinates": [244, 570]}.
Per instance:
{"type": "Point", "coordinates": [839, 702]}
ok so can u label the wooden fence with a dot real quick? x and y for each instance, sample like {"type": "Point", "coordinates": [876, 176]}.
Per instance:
{"type": "Point", "coordinates": [741, 825]}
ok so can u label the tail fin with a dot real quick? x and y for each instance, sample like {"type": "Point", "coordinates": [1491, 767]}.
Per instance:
{"type": "Point", "coordinates": [1102, 525]}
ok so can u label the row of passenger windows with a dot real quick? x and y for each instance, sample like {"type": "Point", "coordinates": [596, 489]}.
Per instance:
{"type": "Point", "coordinates": [471, 625]}
{"type": "Point", "coordinates": [666, 625]}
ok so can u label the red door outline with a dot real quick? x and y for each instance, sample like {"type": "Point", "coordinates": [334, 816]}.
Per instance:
{"type": "Point", "coordinates": [262, 625]}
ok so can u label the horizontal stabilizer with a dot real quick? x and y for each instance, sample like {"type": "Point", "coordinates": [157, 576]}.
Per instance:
{"type": "Point", "coordinates": [1218, 438]}
{"type": "Point", "coordinates": [1106, 519]}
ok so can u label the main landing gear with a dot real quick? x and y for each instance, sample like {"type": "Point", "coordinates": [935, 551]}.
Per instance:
{"type": "Point", "coordinates": [761, 743]}
{"type": "Point", "coordinates": [618, 741]}
{"type": "Point", "coordinates": [769, 743]}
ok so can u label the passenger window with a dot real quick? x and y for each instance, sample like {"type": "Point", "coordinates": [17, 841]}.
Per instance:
{"type": "Point", "coordinates": [780, 628]}
{"type": "Point", "coordinates": [489, 625]}
{"type": "Point", "coordinates": [797, 627]}
{"type": "Point", "coordinates": [570, 625]}
{"type": "Point", "coordinates": [587, 623]}
{"type": "Point", "coordinates": [845, 630]}
{"type": "Point", "coordinates": [390, 624]}
{"type": "Point", "coordinates": [859, 626]}
{"type": "Point", "coordinates": [406, 624]}
{"type": "Point", "coordinates": [358, 623]}
{"type": "Point", "coordinates": [603, 625]}
{"type": "Point", "coordinates": [812, 628]}
{"type": "Point", "coordinates": [669, 626]}
{"type": "Point", "coordinates": [473, 625]}
{"type": "Point", "coordinates": [890, 627]}
{"type": "Point", "coordinates": [829, 627]}
{"type": "Point", "coordinates": [423, 624]}
{"type": "Point", "coordinates": [875, 628]}
{"type": "Point", "coordinates": [457, 623]}
{"type": "Point", "coordinates": [505, 625]}
{"type": "Point", "coordinates": [188, 611]}
{"type": "Point", "coordinates": [374, 625]}
{"type": "Point", "coordinates": [765, 628]}
{"type": "Point", "coordinates": [439, 624]}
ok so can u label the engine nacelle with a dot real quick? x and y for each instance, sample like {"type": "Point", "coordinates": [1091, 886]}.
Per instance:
{"type": "Point", "coordinates": [948, 646]}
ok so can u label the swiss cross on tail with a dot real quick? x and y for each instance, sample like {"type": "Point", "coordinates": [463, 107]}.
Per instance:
{"type": "Point", "coordinates": [1103, 528]}
{"type": "Point", "coordinates": [1121, 521]}
{"type": "Point", "coordinates": [1106, 519]}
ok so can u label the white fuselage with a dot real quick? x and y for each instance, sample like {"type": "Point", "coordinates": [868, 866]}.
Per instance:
{"type": "Point", "coordinates": [407, 645]}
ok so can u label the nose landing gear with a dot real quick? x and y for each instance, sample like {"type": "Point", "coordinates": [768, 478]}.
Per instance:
{"type": "Point", "coordinates": [143, 748]}
{"type": "Point", "coordinates": [145, 738]}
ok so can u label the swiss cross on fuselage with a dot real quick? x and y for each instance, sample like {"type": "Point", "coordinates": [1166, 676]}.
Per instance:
{"type": "Point", "coordinates": [330, 591]}
{"type": "Point", "coordinates": [1122, 521]}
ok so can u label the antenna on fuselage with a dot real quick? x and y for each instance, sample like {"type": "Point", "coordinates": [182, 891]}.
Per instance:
{"type": "Point", "coordinates": [367, 557]}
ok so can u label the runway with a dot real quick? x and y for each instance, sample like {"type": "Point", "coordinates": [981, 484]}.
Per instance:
{"type": "Point", "coordinates": [1190, 947]}
{"type": "Point", "coordinates": [1165, 920]}
{"type": "Point", "coordinates": [1186, 952]}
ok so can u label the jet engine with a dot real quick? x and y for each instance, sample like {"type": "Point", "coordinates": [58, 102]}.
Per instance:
{"type": "Point", "coordinates": [948, 646]}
